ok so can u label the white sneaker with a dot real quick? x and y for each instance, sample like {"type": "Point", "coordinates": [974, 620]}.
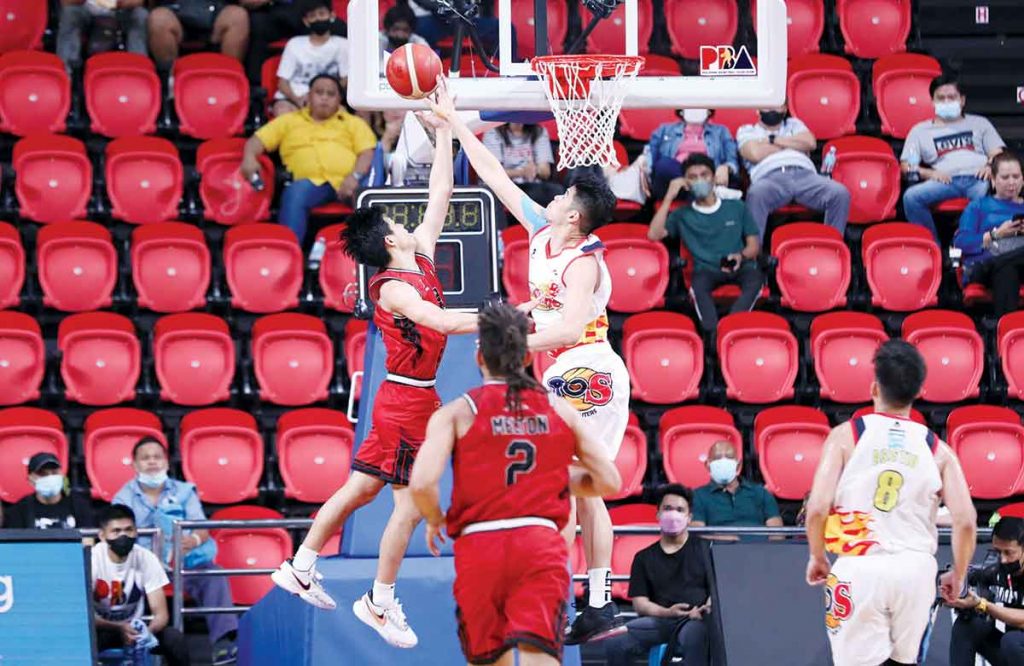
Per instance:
{"type": "Point", "coordinates": [388, 621]}
{"type": "Point", "coordinates": [303, 584]}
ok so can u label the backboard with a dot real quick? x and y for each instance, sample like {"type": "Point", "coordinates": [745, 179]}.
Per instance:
{"type": "Point", "coordinates": [730, 75]}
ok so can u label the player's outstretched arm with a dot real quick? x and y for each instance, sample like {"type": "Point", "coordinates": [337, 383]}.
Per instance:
{"type": "Point", "coordinates": [595, 474]}
{"type": "Point", "coordinates": [401, 299]}
{"type": "Point", "coordinates": [441, 186]}
{"type": "Point", "coordinates": [957, 497]}
{"type": "Point", "coordinates": [427, 470]}
{"type": "Point", "coordinates": [580, 283]}
{"type": "Point", "coordinates": [819, 503]}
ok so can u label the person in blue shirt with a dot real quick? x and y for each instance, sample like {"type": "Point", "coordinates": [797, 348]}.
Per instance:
{"type": "Point", "coordinates": [671, 143]}
{"type": "Point", "coordinates": [730, 500]}
{"type": "Point", "coordinates": [989, 235]}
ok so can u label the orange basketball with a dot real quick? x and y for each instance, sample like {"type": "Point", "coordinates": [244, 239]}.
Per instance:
{"type": "Point", "coordinates": [412, 71]}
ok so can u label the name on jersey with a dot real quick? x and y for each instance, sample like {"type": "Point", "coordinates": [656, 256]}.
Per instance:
{"type": "Point", "coordinates": [890, 456]}
{"type": "Point", "coordinates": [523, 425]}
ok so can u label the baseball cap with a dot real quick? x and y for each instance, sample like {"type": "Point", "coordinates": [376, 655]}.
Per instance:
{"type": "Point", "coordinates": [41, 460]}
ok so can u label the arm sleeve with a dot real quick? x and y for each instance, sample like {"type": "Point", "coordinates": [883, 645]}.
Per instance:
{"type": "Point", "coordinates": [193, 507]}
{"type": "Point", "coordinates": [912, 143]}
{"type": "Point", "coordinates": [153, 575]}
{"type": "Point", "coordinates": [652, 145]}
{"type": "Point", "coordinates": [990, 139]}
{"type": "Point", "coordinates": [542, 152]}
{"type": "Point", "coordinates": [771, 507]}
{"type": "Point", "coordinates": [289, 60]}
{"type": "Point", "coordinates": [699, 510]}
{"type": "Point", "coordinates": [271, 134]}
{"type": "Point", "coordinates": [638, 583]}
{"type": "Point", "coordinates": [744, 134]}
{"type": "Point", "coordinates": [343, 58]}
{"type": "Point", "coordinates": [969, 231]}
{"type": "Point", "coordinates": [363, 138]}
{"type": "Point", "coordinates": [673, 224]}
{"type": "Point", "coordinates": [794, 125]}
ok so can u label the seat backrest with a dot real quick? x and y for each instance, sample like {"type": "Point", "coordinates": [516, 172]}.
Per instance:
{"type": "Point", "coordinates": [339, 273]}
{"type": "Point", "coordinates": [110, 436]}
{"type": "Point", "coordinates": [523, 20]}
{"type": "Point", "coordinates": [170, 266]}
{"type": "Point", "coordinates": [211, 95]}
{"type": "Point", "coordinates": [1009, 336]}
{"type": "Point", "coordinates": [953, 352]}
{"type": "Point", "coordinates": [227, 197]}
{"type": "Point", "coordinates": [843, 345]}
{"type": "Point", "coordinates": [22, 23]}
{"type": "Point", "coordinates": [222, 453]}
{"type": "Point", "coordinates": [12, 265]}
{"type": "Point", "coordinates": [903, 266]}
{"type": "Point", "coordinates": [101, 361]}
{"type": "Point", "coordinates": [35, 93]}
{"type": "Point", "coordinates": [264, 268]}
{"type": "Point", "coordinates": [314, 451]}
{"type": "Point", "coordinates": [870, 171]}
{"type": "Point", "coordinates": [901, 88]}
{"type": "Point", "coordinates": [788, 441]}
{"type": "Point", "coordinates": [122, 94]}
{"type": "Point", "coordinates": [145, 179]}
{"type": "Point", "coordinates": [631, 461]}
{"type": "Point", "coordinates": [660, 348]}
{"type": "Point", "coordinates": [759, 357]}
{"type": "Point", "coordinates": [54, 180]}
{"type": "Point", "coordinates": [77, 266]}
{"type": "Point", "coordinates": [195, 358]}
{"type": "Point", "coordinates": [692, 24]}
{"type": "Point", "coordinates": [805, 23]}
{"type": "Point", "coordinates": [22, 358]}
{"type": "Point", "coordinates": [250, 548]}
{"type": "Point", "coordinates": [686, 435]}
{"type": "Point", "coordinates": [814, 270]}
{"type": "Point", "coordinates": [293, 358]}
{"type": "Point", "coordinates": [824, 93]}
{"type": "Point", "coordinates": [515, 269]}
{"type": "Point", "coordinates": [989, 441]}
{"type": "Point", "coordinates": [637, 265]}
{"type": "Point", "coordinates": [24, 432]}
{"type": "Point", "coordinates": [610, 35]}
{"type": "Point", "coordinates": [874, 29]}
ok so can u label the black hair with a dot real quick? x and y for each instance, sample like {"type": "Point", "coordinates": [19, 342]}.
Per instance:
{"type": "Point", "coordinates": [944, 80]}
{"type": "Point", "coordinates": [1009, 529]}
{"type": "Point", "coordinates": [146, 440]}
{"type": "Point", "coordinates": [531, 131]}
{"type": "Point", "coordinates": [399, 14]}
{"type": "Point", "coordinates": [594, 201]}
{"type": "Point", "coordinates": [333, 79]}
{"type": "Point", "coordinates": [674, 489]}
{"type": "Point", "coordinates": [305, 7]}
{"type": "Point", "coordinates": [698, 159]}
{"type": "Point", "coordinates": [900, 372]}
{"type": "Point", "coordinates": [363, 236]}
{"type": "Point", "coordinates": [115, 512]}
{"type": "Point", "coordinates": [503, 331]}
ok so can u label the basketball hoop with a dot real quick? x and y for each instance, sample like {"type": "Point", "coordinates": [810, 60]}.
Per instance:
{"type": "Point", "coordinates": [585, 113]}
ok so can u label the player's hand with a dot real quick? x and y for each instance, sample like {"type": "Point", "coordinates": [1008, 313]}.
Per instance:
{"type": "Point", "coordinates": [528, 306]}
{"type": "Point", "coordinates": [348, 188]}
{"type": "Point", "coordinates": [249, 167]}
{"type": "Point", "coordinates": [441, 102]}
{"type": "Point", "coordinates": [433, 120]}
{"type": "Point", "coordinates": [818, 569]}
{"type": "Point", "coordinates": [435, 538]}
{"type": "Point", "coordinates": [966, 603]}
{"type": "Point", "coordinates": [677, 185]}
{"type": "Point", "coordinates": [950, 586]}
{"type": "Point", "coordinates": [128, 634]}
{"type": "Point", "coordinates": [941, 176]}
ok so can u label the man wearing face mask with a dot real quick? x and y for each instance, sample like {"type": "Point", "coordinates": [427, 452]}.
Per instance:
{"type": "Point", "coordinates": [672, 143]}
{"type": "Point", "coordinates": [399, 27]}
{"type": "Point", "coordinates": [730, 500]}
{"type": "Point", "coordinates": [308, 56]}
{"type": "Point", "coordinates": [50, 506]}
{"type": "Point", "coordinates": [670, 583]}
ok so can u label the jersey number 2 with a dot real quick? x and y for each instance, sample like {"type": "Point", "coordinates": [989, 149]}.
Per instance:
{"type": "Point", "coordinates": [524, 458]}
{"type": "Point", "coordinates": [887, 493]}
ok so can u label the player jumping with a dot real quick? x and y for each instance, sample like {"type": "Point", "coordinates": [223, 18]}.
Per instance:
{"type": "Point", "coordinates": [873, 503]}
{"type": "Point", "coordinates": [511, 444]}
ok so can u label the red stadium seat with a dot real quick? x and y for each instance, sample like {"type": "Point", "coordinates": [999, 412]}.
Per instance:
{"type": "Point", "coordinates": [578, 564]}
{"type": "Point", "coordinates": [624, 549]}
{"type": "Point", "coordinates": [515, 268]}
{"type": "Point", "coordinates": [814, 266]}
{"type": "Point", "coordinates": [664, 355]}
{"type": "Point", "coordinates": [523, 22]}
{"type": "Point", "coordinates": [686, 434]}
{"type": "Point", "coordinates": [610, 34]}
{"type": "Point", "coordinates": [314, 451]}
{"type": "Point", "coordinates": [915, 415]}
{"type": "Point", "coordinates": [734, 119]}
{"type": "Point", "coordinates": [639, 124]}
{"type": "Point", "coordinates": [100, 358]}
{"type": "Point", "coordinates": [824, 93]}
{"type": "Point", "coordinates": [22, 23]}
{"type": "Point", "coordinates": [54, 178]}
{"type": "Point", "coordinates": [631, 460]}
{"type": "Point", "coordinates": [843, 346]}
{"type": "Point", "coordinates": [35, 93]}
{"type": "Point", "coordinates": [695, 23]}
{"type": "Point", "coordinates": [109, 439]}
{"type": "Point", "coordinates": [22, 358]}
{"type": "Point", "coordinates": [227, 198]}
{"type": "Point", "coordinates": [170, 266]}
{"type": "Point", "coordinates": [263, 266]}
{"type": "Point", "coordinates": [953, 353]}
{"type": "Point", "coordinates": [122, 94]}
{"type": "Point", "coordinates": [77, 266]}
{"type": "Point", "coordinates": [903, 266]}
{"type": "Point", "coordinates": [788, 441]}
{"type": "Point", "coordinates": [870, 171]}
{"type": "Point", "coordinates": [638, 267]}
{"type": "Point", "coordinates": [339, 273]}
{"type": "Point", "coordinates": [24, 432]}
{"type": "Point", "coordinates": [195, 358]}
{"type": "Point", "coordinates": [1009, 336]}
{"type": "Point", "coordinates": [293, 358]}
{"type": "Point", "coordinates": [874, 28]}
{"type": "Point", "coordinates": [805, 21]}
{"type": "Point", "coordinates": [900, 83]}
{"type": "Point", "coordinates": [759, 357]}
{"type": "Point", "coordinates": [222, 453]}
{"type": "Point", "coordinates": [989, 441]}
{"type": "Point", "coordinates": [145, 179]}
{"type": "Point", "coordinates": [659, 65]}
{"type": "Point", "coordinates": [250, 548]}
{"type": "Point", "coordinates": [268, 78]}
{"type": "Point", "coordinates": [355, 350]}
{"type": "Point", "coordinates": [12, 266]}
{"type": "Point", "coordinates": [211, 95]}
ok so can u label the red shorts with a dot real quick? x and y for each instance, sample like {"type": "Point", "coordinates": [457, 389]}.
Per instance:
{"type": "Point", "coordinates": [510, 587]}
{"type": "Point", "coordinates": [399, 425]}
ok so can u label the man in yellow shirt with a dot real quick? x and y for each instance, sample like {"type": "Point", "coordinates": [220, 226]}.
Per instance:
{"type": "Point", "coordinates": [326, 149]}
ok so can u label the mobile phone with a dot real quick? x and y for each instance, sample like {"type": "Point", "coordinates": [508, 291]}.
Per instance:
{"type": "Point", "coordinates": [729, 264]}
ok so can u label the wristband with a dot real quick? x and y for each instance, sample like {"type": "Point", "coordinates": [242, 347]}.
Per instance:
{"type": "Point", "coordinates": [199, 540]}
{"type": "Point", "coordinates": [982, 606]}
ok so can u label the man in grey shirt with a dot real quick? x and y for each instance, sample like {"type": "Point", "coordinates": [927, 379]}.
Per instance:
{"type": "Point", "coordinates": [954, 147]}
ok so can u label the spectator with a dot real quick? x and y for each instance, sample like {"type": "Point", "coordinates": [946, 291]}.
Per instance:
{"type": "Point", "coordinates": [671, 143]}
{"type": "Point", "coordinates": [51, 506]}
{"type": "Point", "coordinates": [776, 152]}
{"type": "Point", "coordinates": [956, 149]}
{"type": "Point", "coordinates": [730, 500]}
{"type": "Point", "coordinates": [399, 29]}
{"type": "Point", "coordinates": [269, 21]}
{"type": "Point", "coordinates": [213, 21]}
{"type": "Point", "coordinates": [125, 577]}
{"type": "Point", "coordinates": [102, 23]}
{"type": "Point", "coordinates": [996, 595]}
{"type": "Point", "coordinates": [525, 152]}
{"type": "Point", "coordinates": [306, 56]}
{"type": "Point", "coordinates": [989, 235]}
{"type": "Point", "coordinates": [670, 583]}
{"type": "Point", "coordinates": [327, 150]}
{"type": "Point", "coordinates": [720, 235]}
{"type": "Point", "coordinates": [157, 501]}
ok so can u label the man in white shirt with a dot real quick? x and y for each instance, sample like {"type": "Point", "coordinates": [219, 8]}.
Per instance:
{"type": "Point", "coordinates": [308, 56]}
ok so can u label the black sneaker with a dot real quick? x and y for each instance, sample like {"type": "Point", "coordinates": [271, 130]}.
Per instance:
{"type": "Point", "coordinates": [595, 624]}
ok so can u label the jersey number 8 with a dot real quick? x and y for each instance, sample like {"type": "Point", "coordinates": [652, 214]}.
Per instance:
{"type": "Point", "coordinates": [524, 458]}
{"type": "Point", "coordinates": [887, 493]}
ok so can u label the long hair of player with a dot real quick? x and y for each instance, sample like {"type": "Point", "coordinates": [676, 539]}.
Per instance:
{"type": "Point", "coordinates": [503, 331]}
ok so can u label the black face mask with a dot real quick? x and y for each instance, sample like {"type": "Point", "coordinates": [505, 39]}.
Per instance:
{"type": "Point", "coordinates": [1009, 568]}
{"type": "Point", "coordinates": [772, 118]}
{"type": "Point", "coordinates": [122, 545]}
{"type": "Point", "coordinates": [397, 42]}
{"type": "Point", "coordinates": [320, 27]}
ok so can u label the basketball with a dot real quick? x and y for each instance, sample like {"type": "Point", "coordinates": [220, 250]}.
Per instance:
{"type": "Point", "coordinates": [413, 70]}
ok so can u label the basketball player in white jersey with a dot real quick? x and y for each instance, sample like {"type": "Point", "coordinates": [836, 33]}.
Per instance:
{"type": "Point", "coordinates": [873, 504]}
{"type": "Point", "coordinates": [571, 284]}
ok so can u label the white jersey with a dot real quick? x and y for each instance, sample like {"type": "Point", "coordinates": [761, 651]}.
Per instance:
{"type": "Point", "coordinates": [888, 494]}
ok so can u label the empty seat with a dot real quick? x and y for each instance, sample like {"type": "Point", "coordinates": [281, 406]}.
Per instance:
{"type": "Point", "coordinates": [339, 273]}
{"type": "Point", "coordinates": [222, 453]}
{"type": "Point", "coordinates": [874, 28]}
{"type": "Point", "coordinates": [100, 358]}
{"type": "Point", "coordinates": [625, 546]}
{"type": "Point", "coordinates": [824, 93]}
{"type": "Point", "coordinates": [293, 358]}
{"type": "Point", "coordinates": [524, 24]}
{"type": "Point", "coordinates": [1009, 336]}
{"type": "Point", "coordinates": [695, 23]}
{"type": "Point", "coordinates": [250, 548]}
{"type": "Point", "coordinates": [12, 266]}
{"type": "Point", "coordinates": [22, 358]}
{"type": "Point", "coordinates": [903, 266]}
{"type": "Point", "coordinates": [355, 352]}
{"type": "Point", "coordinates": [515, 267]}
{"type": "Point", "coordinates": [788, 441]}
{"type": "Point", "coordinates": [638, 267]}
{"type": "Point", "coordinates": [170, 266]}
{"type": "Point", "coordinates": [870, 171]}
{"type": "Point", "coordinates": [35, 93]}
{"type": "Point", "coordinates": [734, 119]}
{"type": "Point", "coordinates": [314, 452]}
{"type": "Point", "coordinates": [686, 434]}
{"type": "Point", "coordinates": [22, 23]}
{"type": "Point", "coordinates": [122, 94]}
{"type": "Point", "coordinates": [610, 34]}
{"type": "Point", "coordinates": [805, 21]}
{"type": "Point", "coordinates": [953, 353]}
{"type": "Point", "coordinates": [24, 432]}
{"type": "Point", "coordinates": [900, 83]}
{"type": "Point", "coordinates": [624, 549]}
{"type": "Point", "coordinates": [54, 178]}
{"type": "Point", "coordinates": [195, 358]}
{"type": "Point", "coordinates": [109, 439]}
{"type": "Point", "coordinates": [227, 197]}
{"type": "Point", "coordinates": [813, 272]}
{"type": "Point", "coordinates": [145, 179]}
{"type": "Point", "coordinates": [657, 65]}
{"type": "Point", "coordinates": [664, 355]}
{"type": "Point", "coordinates": [263, 265]}
{"type": "Point", "coordinates": [268, 79]}
{"type": "Point", "coordinates": [77, 266]}
{"type": "Point", "coordinates": [639, 124]}
{"type": "Point", "coordinates": [631, 460]}
{"type": "Point", "coordinates": [843, 346]}
{"type": "Point", "coordinates": [989, 441]}
{"type": "Point", "coordinates": [211, 95]}
{"type": "Point", "coordinates": [759, 357]}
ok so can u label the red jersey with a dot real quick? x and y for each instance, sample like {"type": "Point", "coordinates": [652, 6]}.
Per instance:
{"type": "Point", "coordinates": [511, 465]}
{"type": "Point", "coordinates": [412, 351]}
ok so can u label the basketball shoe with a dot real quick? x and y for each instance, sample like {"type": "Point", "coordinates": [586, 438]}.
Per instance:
{"type": "Point", "coordinates": [595, 624]}
{"type": "Point", "coordinates": [388, 621]}
{"type": "Point", "coordinates": [303, 584]}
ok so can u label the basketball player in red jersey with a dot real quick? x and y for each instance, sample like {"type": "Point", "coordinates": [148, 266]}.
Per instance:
{"type": "Point", "coordinates": [512, 446]}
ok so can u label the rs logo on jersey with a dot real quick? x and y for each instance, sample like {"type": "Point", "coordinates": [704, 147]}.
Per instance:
{"type": "Point", "coordinates": [547, 295]}
{"type": "Point", "coordinates": [838, 603]}
{"type": "Point", "coordinates": [584, 388]}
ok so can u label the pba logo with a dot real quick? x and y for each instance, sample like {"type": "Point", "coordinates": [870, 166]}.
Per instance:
{"type": "Point", "coordinates": [584, 388]}
{"type": "Point", "coordinates": [726, 61]}
{"type": "Point", "coordinates": [838, 603]}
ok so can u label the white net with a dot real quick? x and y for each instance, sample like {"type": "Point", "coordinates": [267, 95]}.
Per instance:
{"type": "Point", "coordinates": [586, 93]}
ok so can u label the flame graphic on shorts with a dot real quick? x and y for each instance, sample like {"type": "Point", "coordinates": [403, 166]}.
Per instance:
{"type": "Point", "coordinates": [848, 532]}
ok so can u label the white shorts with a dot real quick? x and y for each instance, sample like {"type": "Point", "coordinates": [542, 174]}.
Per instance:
{"type": "Point", "coordinates": [877, 607]}
{"type": "Point", "coordinates": [595, 381]}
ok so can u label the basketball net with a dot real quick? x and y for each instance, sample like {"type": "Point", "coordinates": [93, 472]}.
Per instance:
{"type": "Point", "coordinates": [585, 114]}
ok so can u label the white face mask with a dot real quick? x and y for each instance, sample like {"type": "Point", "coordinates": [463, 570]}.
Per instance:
{"type": "Point", "coordinates": [154, 480]}
{"type": "Point", "coordinates": [695, 116]}
{"type": "Point", "coordinates": [723, 470]}
{"type": "Point", "coordinates": [50, 485]}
